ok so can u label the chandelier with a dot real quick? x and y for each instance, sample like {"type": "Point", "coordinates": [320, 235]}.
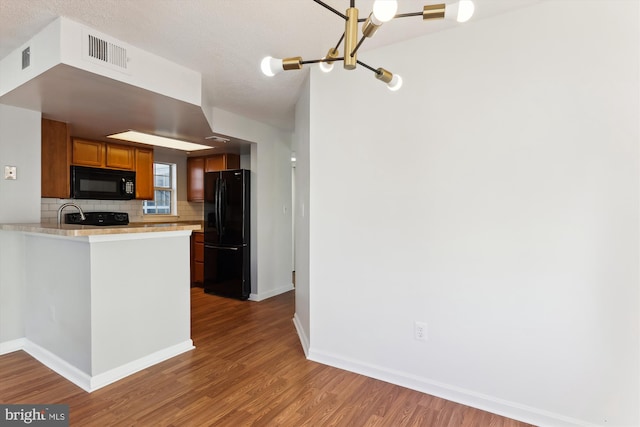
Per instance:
{"type": "Point", "coordinates": [383, 11]}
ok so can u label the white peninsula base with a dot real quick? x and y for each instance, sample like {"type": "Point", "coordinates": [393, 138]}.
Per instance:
{"type": "Point", "coordinates": [101, 307]}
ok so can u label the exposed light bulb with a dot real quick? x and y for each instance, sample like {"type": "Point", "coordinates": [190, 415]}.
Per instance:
{"type": "Point", "coordinates": [461, 11]}
{"type": "Point", "coordinates": [326, 66]}
{"type": "Point", "coordinates": [395, 83]}
{"type": "Point", "coordinates": [466, 10]}
{"type": "Point", "coordinates": [385, 10]}
{"type": "Point", "coordinates": [271, 66]}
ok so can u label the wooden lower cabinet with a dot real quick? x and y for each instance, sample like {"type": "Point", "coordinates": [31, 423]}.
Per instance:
{"type": "Point", "coordinates": [197, 258]}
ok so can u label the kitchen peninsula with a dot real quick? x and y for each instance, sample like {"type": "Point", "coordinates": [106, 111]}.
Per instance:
{"type": "Point", "coordinates": [104, 302]}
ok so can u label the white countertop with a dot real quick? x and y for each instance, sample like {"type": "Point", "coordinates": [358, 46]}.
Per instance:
{"type": "Point", "coordinates": [71, 230]}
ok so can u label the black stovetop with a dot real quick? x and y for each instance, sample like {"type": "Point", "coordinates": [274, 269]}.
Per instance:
{"type": "Point", "coordinates": [97, 218]}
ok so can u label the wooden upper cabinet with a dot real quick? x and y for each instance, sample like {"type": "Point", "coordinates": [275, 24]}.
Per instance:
{"type": "Point", "coordinates": [195, 179]}
{"type": "Point", "coordinates": [197, 166]}
{"type": "Point", "coordinates": [214, 163]}
{"type": "Point", "coordinates": [220, 162]}
{"type": "Point", "coordinates": [88, 153]}
{"type": "Point", "coordinates": [232, 161]}
{"type": "Point", "coordinates": [120, 157]}
{"type": "Point", "coordinates": [59, 152]}
{"type": "Point", "coordinates": [144, 173]}
{"type": "Point", "coordinates": [55, 158]}
{"type": "Point", "coordinates": [102, 154]}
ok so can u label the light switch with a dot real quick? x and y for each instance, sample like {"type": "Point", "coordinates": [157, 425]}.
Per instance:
{"type": "Point", "coordinates": [10, 172]}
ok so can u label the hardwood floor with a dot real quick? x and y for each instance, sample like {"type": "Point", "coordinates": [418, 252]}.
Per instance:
{"type": "Point", "coordinates": [248, 368]}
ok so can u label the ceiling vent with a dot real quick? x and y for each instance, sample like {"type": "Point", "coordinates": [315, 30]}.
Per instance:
{"type": "Point", "coordinates": [218, 138]}
{"type": "Point", "coordinates": [98, 49]}
{"type": "Point", "coordinates": [26, 57]}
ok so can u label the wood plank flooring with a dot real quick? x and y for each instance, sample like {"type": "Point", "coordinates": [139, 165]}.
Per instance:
{"type": "Point", "coordinates": [248, 369]}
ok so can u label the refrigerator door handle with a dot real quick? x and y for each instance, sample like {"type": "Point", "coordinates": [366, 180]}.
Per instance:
{"type": "Point", "coordinates": [223, 205]}
{"type": "Point", "coordinates": [215, 205]}
{"type": "Point", "coordinates": [217, 208]}
{"type": "Point", "coordinates": [219, 247]}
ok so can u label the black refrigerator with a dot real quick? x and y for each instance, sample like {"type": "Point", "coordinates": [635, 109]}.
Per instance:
{"type": "Point", "coordinates": [227, 267]}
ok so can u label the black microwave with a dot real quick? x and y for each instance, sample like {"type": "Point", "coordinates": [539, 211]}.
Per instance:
{"type": "Point", "coordinates": [102, 184]}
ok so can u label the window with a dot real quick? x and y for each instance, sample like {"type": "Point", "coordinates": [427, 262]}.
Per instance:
{"type": "Point", "coordinates": [164, 183]}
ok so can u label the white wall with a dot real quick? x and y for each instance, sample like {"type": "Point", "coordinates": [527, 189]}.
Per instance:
{"type": "Point", "coordinates": [301, 211]}
{"type": "Point", "coordinates": [20, 137]}
{"type": "Point", "coordinates": [164, 321]}
{"type": "Point", "coordinates": [19, 202]}
{"type": "Point", "coordinates": [59, 294]}
{"type": "Point", "coordinates": [95, 324]}
{"type": "Point", "coordinates": [271, 201]}
{"type": "Point", "coordinates": [494, 197]}
{"type": "Point", "coordinates": [44, 54]}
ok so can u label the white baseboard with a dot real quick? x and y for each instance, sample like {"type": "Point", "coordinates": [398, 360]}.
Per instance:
{"type": "Point", "coordinates": [11, 346]}
{"type": "Point", "coordinates": [92, 383]}
{"type": "Point", "coordinates": [264, 295]}
{"type": "Point", "coordinates": [304, 340]}
{"type": "Point", "coordinates": [113, 375]}
{"type": "Point", "coordinates": [58, 365]}
{"type": "Point", "coordinates": [480, 401]}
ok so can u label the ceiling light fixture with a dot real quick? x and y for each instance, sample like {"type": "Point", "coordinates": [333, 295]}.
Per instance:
{"type": "Point", "coordinates": [159, 141]}
{"type": "Point", "coordinates": [383, 11]}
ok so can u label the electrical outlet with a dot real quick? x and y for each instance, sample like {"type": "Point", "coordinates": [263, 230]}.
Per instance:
{"type": "Point", "coordinates": [10, 172]}
{"type": "Point", "coordinates": [420, 331]}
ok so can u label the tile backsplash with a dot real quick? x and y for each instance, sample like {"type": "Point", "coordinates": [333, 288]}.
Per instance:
{"type": "Point", "coordinates": [187, 211]}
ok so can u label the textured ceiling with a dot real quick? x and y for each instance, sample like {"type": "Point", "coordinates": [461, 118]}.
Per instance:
{"type": "Point", "coordinates": [226, 39]}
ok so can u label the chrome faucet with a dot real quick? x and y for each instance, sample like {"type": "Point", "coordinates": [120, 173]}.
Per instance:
{"type": "Point", "coordinates": [64, 206]}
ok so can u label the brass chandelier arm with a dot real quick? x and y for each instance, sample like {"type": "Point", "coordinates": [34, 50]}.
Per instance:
{"type": "Point", "coordinates": [326, 6]}
{"type": "Point", "coordinates": [340, 41]}
{"type": "Point", "coordinates": [350, 38]}
{"type": "Point", "coordinates": [431, 11]}
{"type": "Point", "coordinates": [368, 67]}
{"type": "Point", "coordinates": [315, 61]}
{"type": "Point", "coordinates": [407, 15]}
{"type": "Point", "coordinates": [341, 58]}
{"type": "Point", "coordinates": [358, 45]}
